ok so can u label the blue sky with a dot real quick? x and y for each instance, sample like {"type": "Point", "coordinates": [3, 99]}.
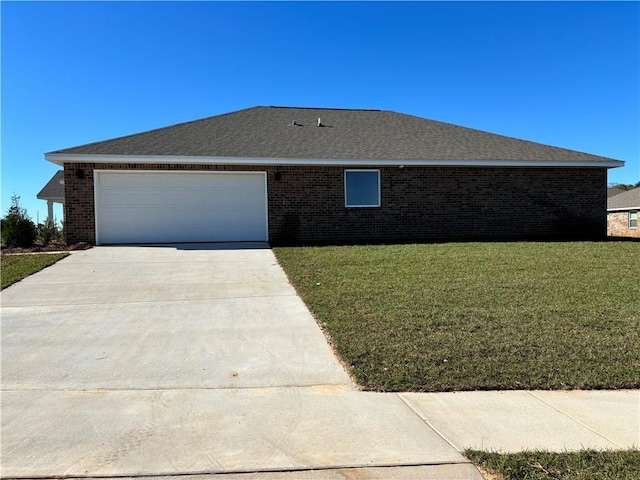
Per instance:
{"type": "Point", "coordinates": [564, 74]}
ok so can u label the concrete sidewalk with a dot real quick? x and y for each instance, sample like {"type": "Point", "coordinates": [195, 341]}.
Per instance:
{"type": "Point", "coordinates": [196, 360]}
{"type": "Point", "coordinates": [325, 432]}
{"type": "Point", "coordinates": [513, 421]}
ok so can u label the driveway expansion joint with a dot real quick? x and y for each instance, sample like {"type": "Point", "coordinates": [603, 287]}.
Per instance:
{"type": "Point", "coordinates": [220, 473]}
{"type": "Point", "coordinates": [427, 423]}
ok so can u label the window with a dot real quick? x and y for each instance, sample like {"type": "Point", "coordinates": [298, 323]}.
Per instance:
{"type": "Point", "coordinates": [633, 219]}
{"type": "Point", "coordinates": [362, 188]}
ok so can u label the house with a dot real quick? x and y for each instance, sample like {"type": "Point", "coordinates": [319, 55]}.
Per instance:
{"type": "Point", "coordinates": [622, 214]}
{"type": "Point", "coordinates": [53, 192]}
{"type": "Point", "coordinates": [328, 176]}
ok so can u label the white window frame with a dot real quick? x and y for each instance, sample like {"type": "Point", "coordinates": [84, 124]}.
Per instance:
{"type": "Point", "coordinates": [629, 223]}
{"type": "Point", "coordinates": [377, 205]}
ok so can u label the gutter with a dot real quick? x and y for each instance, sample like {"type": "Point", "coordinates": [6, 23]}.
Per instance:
{"type": "Point", "coordinates": [61, 159]}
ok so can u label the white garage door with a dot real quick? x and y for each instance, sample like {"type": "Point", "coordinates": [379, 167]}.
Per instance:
{"type": "Point", "coordinates": [159, 207]}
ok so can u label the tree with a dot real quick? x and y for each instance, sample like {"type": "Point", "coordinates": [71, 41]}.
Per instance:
{"type": "Point", "coordinates": [18, 230]}
{"type": "Point", "coordinates": [625, 186]}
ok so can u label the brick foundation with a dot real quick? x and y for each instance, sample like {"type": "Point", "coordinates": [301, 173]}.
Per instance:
{"type": "Point", "coordinates": [306, 203]}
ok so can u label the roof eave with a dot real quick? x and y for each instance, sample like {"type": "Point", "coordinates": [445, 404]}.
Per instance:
{"type": "Point", "coordinates": [49, 198]}
{"type": "Point", "coordinates": [61, 159]}
{"type": "Point", "coordinates": [621, 209]}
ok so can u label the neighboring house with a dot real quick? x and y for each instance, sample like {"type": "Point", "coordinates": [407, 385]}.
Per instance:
{"type": "Point", "coordinates": [53, 192]}
{"type": "Point", "coordinates": [622, 214]}
{"type": "Point", "coordinates": [328, 176]}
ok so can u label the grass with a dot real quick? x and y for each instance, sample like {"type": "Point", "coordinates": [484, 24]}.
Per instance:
{"type": "Point", "coordinates": [16, 267]}
{"type": "Point", "coordinates": [583, 465]}
{"type": "Point", "coordinates": [477, 316]}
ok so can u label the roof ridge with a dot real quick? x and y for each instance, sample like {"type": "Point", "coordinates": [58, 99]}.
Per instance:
{"type": "Point", "coordinates": [328, 108]}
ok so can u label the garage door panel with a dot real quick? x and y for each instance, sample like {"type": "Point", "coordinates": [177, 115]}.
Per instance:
{"type": "Point", "coordinates": [126, 181]}
{"type": "Point", "coordinates": [130, 197]}
{"type": "Point", "coordinates": [150, 207]}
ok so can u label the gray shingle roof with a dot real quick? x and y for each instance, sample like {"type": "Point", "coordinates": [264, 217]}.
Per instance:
{"type": "Point", "coordinates": [54, 189]}
{"type": "Point", "coordinates": [612, 191]}
{"type": "Point", "coordinates": [267, 132]}
{"type": "Point", "coordinates": [627, 200]}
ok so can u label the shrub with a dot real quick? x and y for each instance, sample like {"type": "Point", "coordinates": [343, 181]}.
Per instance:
{"type": "Point", "coordinates": [17, 228]}
{"type": "Point", "coordinates": [48, 232]}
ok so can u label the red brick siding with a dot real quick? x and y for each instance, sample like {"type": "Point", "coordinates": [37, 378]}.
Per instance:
{"type": "Point", "coordinates": [79, 204]}
{"type": "Point", "coordinates": [306, 204]}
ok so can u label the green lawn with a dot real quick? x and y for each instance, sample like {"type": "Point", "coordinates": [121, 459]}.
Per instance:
{"type": "Point", "coordinates": [469, 316]}
{"type": "Point", "coordinates": [16, 267]}
{"type": "Point", "coordinates": [584, 465]}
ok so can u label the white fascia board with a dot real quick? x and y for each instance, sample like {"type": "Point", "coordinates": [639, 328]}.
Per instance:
{"type": "Point", "coordinates": [53, 199]}
{"type": "Point", "coordinates": [61, 159]}
{"type": "Point", "coordinates": [623, 209]}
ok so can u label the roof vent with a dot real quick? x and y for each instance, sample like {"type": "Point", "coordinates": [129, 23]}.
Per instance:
{"type": "Point", "coordinates": [320, 122]}
{"type": "Point", "coordinates": [294, 123]}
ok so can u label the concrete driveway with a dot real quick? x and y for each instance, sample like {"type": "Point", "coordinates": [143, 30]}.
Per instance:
{"type": "Point", "coordinates": [115, 318]}
{"type": "Point", "coordinates": [188, 359]}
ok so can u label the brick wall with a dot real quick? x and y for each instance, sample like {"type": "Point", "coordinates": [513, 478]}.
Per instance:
{"type": "Point", "coordinates": [306, 204]}
{"type": "Point", "coordinates": [618, 225]}
{"type": "Point", "coordinates": [79, 212]}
